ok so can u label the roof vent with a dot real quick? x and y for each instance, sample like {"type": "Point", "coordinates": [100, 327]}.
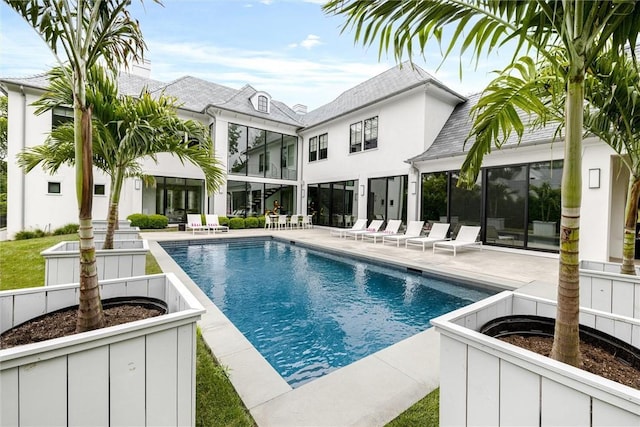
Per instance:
{"type": "Point", "coordinates": [300, 109]}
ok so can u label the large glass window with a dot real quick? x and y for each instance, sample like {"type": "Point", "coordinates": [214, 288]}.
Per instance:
{"type": "Point", "coordinates": [506, 205]}
{"type": "Point", "coordinates": [260, 153]}
{"type": "Point", "coordinates": [237, 163]}
{"type": "Point", "coordinates": [174, 198]}
{"type": "Point", "coordinates": [545, 179]}
{"type": "Point", "coordinates": [246, 199]}
{"type": "Point", "coordinates": [387, 198]}
{"type": "Point", "coordinates": [434, 196]}
{"type": "Point", "coordinates": [516, 205]}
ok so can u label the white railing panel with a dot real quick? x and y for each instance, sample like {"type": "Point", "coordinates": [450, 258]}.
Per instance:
{"type": "Point", "coordinates": [28, 306]}
{"type": "Point", "coordinates": [563, 406]}
{"type": "Point", "coordinates": [605, 415]}
{"type": "Point", "coordinates": [601, 294]}
{"type": "Point", "coordinates": [453, 379]}
{"type": "Point", "coordinates": [59, 298]}
{"type": "Point", "coordinates": [6, 313]}
{"type": "Point", "coordinates": [88, 387]}
{"type": "Point", "coordinates": [186, 375]}
{"type": "Point", "coordinates": [114, 289]}
{"type": "Point", "coordinates": [545, 309]}
{"type": "Point", "coordinates": [606, 325]}
{"type": "Point", "coordinates": [519, 396]}
{"type": "Point", "coordinates": [43, 393]}
{"type": "Point", "coordinates": [483, 378]}
{"type": "Point", "coordinates": [127, 393]}
{"type": "Point", "coordinates": [161, 368]}
{"type": "Point", "coordinates": [157, 287]}
{"type": "Point", "coordinates": [622, 298]}
{"type": "Point", "coordinates": [9, 402]}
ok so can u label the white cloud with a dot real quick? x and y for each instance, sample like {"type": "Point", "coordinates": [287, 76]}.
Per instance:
{"type": "Point", "coordinates": [311, 41]}
{"type": "Point", "coordinates": [267, 2]}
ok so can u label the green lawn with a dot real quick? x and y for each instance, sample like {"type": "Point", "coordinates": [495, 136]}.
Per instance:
{"type": "Point", "coordinates": [217, 403]}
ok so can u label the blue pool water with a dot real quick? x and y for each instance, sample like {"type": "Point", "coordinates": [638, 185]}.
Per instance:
{"type": "Point", "coordinates": [309, 313]}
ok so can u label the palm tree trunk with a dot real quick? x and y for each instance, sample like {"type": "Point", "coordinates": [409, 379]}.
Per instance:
{"type": "Point", "coordinates": [566, 342]}
{"type": "Point", "coordinates": [630, 219]}
{"type": "Point", "coordinates": [90, 315]}
{"type": "Point", "coordinates": [114, 198]}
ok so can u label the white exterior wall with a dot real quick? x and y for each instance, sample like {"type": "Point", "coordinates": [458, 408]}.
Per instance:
{"type": "Point", "coordinates": [50, 211]}
{"type": "Point", "coordinates": [406, 125]}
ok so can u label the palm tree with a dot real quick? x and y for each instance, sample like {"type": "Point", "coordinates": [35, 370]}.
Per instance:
{"type": "Point", "coordinates": [85, 32]}
{"type": "Point", "coordinates": [582, 29]}
{"type": "Point", "coordinates": [125, 130]}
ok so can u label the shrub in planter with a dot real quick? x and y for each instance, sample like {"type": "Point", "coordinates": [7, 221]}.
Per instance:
{"type": "Point", "coordinates": [223, 220]}
{"type": "Point", "coordinates": [236, 223]}
{"type": "Point", "coordinates": [251, 222]}
{"type": "Point", "coordinates": [261, 221]}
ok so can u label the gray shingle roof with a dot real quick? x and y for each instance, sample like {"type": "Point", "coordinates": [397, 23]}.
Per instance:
{"type": "Point", "coordinates": [128, 84]}
{"type": "Point", "coordinates": [391, 82]}
{"type": "Point", "coordinates": [451, 139]}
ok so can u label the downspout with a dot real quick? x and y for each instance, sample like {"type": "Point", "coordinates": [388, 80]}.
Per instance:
{"type": "Point", "coordinates": [23, 197]}
{"type": "Point", "coordinates": [212, 133]}
{"type": "Point", "coordinates": [416, 197]}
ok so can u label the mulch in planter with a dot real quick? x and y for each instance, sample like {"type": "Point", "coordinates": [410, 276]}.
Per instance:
{"type": "Point", "coordinates": [63, 323]}
{"type": "Point", "coordinates": [594, 359]}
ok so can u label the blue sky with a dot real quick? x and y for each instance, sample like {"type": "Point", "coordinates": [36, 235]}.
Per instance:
{"type": "Point", "coordinates": [288, 48]}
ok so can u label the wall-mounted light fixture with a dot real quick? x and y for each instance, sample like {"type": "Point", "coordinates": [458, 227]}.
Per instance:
{"type": "Point", "coordinates": [137, 184]}
{"type": "Point", "coordinates": [413, 187]}
{"type": "Point", "coordinates": [594, 178]}
{"type": "Point", "coordinates": [362, 189]}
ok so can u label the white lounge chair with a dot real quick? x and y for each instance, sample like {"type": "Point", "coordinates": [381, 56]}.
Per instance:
{"type": "Point", "coordinates": [414, 228]}
{"type": "Point", "coordinates": [294, 221]}
{"type": "Point", "coordinates": [194, 222]}
{"type": "Point", "coordinates": [467, 237]}
{"type": "Point", "coordinates": [359, 225]}
{"type": "Point", "coordinates": [438, 233]}
{"type": "Point", "coordinates": [213, 222]}
{"type": "Point", "coordinates": [373, 227]}
{"type": "Point", "coordinates": [390, 230]}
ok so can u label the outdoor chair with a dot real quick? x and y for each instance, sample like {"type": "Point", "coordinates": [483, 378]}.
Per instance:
{"type": "Point", "coordinates": [359, 225]}
{"type": "Point", "coordinates": [294, 221]}
{"type": "Point", "coordinates": [194, 222]}
{"type": "Point", "coordinates": [413, 231]}
{"type": "Point", "coordinates": [467, 237]}
{"type": "Point", "coordinates": [307, 221]}
{"type": "Point", "coordinates": [282, 222]}
{"type": "Point", "coordinates": [390, 230]}
{"type": "Point", "coordinates": [213, 222]}
{"type": "Point", "coordinates": [373, 227]}
{"type": "Point", "coordinates": [269, 221]}
{"type": "Point", "coordinates": [438, 233]}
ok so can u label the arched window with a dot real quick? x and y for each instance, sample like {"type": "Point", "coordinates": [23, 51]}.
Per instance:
{"type": "Point", "coordinates": [263, 103]}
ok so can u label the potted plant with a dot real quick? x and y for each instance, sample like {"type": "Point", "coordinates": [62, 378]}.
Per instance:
{"type": "Point", "coordinates": [485, 381]}
{"type": "Point", "coordinates": [138, 373]}
{"type": "Point", "coordinates": [546, 206]}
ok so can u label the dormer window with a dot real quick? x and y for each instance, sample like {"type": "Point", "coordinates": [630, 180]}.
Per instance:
{"type": "Point", "coordinates": [261, 101]}
{"type": "Point", "coordinates": [263, 104]}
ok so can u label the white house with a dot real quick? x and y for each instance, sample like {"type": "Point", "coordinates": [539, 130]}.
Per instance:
{"type": "Point", "coordinates": [387, 148]}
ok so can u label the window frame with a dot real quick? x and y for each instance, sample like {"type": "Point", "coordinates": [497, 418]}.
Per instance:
{"type": "Point", "coordinates": [323, 152]}
{"type": "Point", "coordinates": [104, 189]}
{"type": "Point", "coordinates": [372, 141]}
{"type": "Point", "coordinates": [263, 104]}
{"type": "Point", "coordinates": [51, 185]}
{"type": "Point", "coordinates": [313, 149]}
{"type": "Point", "coordinates": [355, 137]}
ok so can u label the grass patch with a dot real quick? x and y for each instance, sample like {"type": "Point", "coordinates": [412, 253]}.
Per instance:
{"type": "Point", "coordinates": [424, 413]}
{"type": "Point", "coordinates": [21, 265]}
{"type": "Point", "coordinates": [217, 403]}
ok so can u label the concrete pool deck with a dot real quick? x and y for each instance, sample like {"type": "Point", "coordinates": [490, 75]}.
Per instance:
{"type": "Point", "coordinates": [373, 390]}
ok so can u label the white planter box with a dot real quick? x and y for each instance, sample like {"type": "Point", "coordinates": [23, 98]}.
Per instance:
{"type": "Point", "coordinates": [544, 228]}
{"type": "Point", "coordinates": [140, 373]}
{"type": "Point", "coordinates": [131, 233]}
{"type": "Point", "coordinates": [485, 381]}
{"type": "Point", "coordinates": [602, 287]}
{"type": "Point", "coordinates": [101, 224]}
{"type": "Point", "coordinates": [62, 261]}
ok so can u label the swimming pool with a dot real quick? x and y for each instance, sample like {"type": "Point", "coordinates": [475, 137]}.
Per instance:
{"type": "Point", "coordinates": [310, 312]}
